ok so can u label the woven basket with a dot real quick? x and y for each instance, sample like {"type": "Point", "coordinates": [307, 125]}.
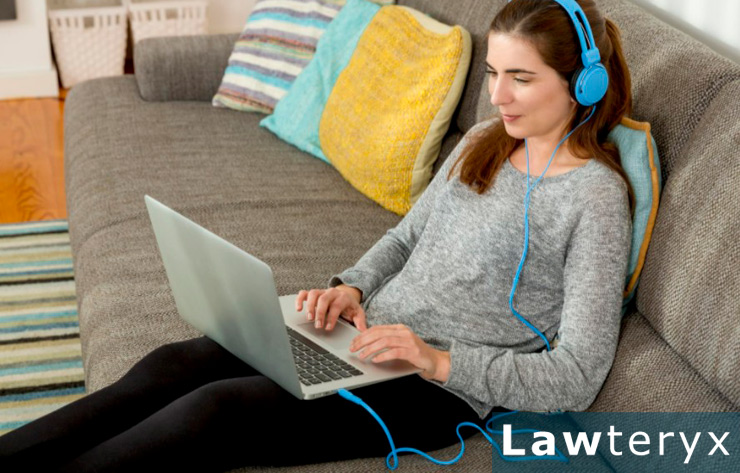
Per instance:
{"type": "Point", "coordinates": [166, 18]}
{"type": "Point", "coordinates": [89, 41]}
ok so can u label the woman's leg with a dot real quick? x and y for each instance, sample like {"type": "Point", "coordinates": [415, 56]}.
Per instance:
{"type": "Point", "coordinates": [252, 421]}
{"type": "Point", "coordinates": [164, 375]}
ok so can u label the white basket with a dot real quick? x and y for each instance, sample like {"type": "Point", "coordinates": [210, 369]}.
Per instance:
{"type": "Point", "coordinates": [89, 42]}
{"type": "Point", "coordinates": [166, 18]}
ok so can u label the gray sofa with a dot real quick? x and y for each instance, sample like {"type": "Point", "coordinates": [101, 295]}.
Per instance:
{"type": "Point", "coordinates": [156, 133]}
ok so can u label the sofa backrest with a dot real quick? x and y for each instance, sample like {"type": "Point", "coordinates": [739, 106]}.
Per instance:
{"type": "Point", "coordinates": [690, 286]}
{"type": "Point", "coordinates": [691, 279]}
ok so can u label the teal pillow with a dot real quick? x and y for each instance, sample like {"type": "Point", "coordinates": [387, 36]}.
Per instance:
{"type": "Point", "coordinates": [640, 162]}
{"type": "Point", "coordinates": [297, 115]}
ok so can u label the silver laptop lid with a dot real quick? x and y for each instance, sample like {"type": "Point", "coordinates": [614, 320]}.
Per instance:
{"type": "Point", "coordinates": [201, 268]}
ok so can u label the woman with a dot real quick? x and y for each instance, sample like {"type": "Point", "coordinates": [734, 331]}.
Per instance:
{"type": "Point", "coordinates": [436, 291]}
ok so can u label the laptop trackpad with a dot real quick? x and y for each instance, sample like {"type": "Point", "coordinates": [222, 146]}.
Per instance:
{"type": "Point", "coordinates": [338, 338]}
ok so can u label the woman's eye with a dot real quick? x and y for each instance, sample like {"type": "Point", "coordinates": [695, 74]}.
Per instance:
{"type": "Point", "coordinates": [521, 81]}
{"type": "Point", "coordinates": [488, 71]}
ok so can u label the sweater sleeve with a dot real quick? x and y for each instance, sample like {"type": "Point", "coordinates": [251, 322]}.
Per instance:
{"type": "Point", "coordinates": [570, 376]}
{"type": "Point", "coordinates": [388, 256]}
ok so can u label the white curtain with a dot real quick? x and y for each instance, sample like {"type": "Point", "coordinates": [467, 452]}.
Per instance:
{"type": "Point", "coordinates": [716, 22]}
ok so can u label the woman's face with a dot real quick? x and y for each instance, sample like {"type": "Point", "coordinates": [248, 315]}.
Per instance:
{"type": "Point", "coordinates": [532, 98]}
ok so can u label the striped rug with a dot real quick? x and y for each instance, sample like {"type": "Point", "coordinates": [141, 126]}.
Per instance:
{"type": "Point", "coordinates": [40, 358]}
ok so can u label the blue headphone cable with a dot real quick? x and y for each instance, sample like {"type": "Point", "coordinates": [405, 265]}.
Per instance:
{"type": "Point", "coordinates": [393, 455]}
{"type": "Point", "coordinates": [559, 456]}
{"type": "Point", "coordinates": [526, 229]}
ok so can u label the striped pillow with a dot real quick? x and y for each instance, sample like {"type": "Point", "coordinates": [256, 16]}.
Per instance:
{"type": "Point", "coordinates": [278, 41]}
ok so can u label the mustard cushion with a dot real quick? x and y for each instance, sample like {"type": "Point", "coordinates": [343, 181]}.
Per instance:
{"type": "Point", "coordinates": [377, 98]}
{"type": "Point", "coordinates": [383, 124]}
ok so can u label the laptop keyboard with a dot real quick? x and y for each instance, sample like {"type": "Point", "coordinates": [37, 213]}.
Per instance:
{"type": "Point", "coordinates": [316, 365]}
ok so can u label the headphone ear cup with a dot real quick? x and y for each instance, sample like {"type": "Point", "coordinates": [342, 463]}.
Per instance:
{"type": "Point", "coordinates": [589, 85]}
{"type": "Point", "coordinates": [574, 83]}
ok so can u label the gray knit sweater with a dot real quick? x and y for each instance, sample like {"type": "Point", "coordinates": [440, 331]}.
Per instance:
{"type": "Point", "coordinates": [447, 268]}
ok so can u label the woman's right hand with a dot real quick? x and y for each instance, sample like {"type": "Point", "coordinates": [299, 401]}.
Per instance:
{"type": "Point", "coordinates": [324, 306]}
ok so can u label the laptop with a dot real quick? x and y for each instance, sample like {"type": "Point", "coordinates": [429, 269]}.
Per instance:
{"type": "Point", "coordinates": [230, 296]}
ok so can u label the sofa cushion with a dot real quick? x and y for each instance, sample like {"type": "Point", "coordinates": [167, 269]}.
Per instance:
{"type": "Point", "coordinates": [640, 162]}
{"type": "Point", "coordinates": [278, 41]}
{"type": "Point", "coordinates": [648, 375]}
{"type": "Point", "coordinates": [121, 147]}
{"type": "Point", "coordinates": [385, 143]}
{"type": "Point", "coordinates": [476, 17]}
{"type": "Point", "coordinates": [690, 282]}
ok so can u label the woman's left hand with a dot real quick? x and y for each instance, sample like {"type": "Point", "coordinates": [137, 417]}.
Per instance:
{"type": "Point", "coordinates": [401, 343]}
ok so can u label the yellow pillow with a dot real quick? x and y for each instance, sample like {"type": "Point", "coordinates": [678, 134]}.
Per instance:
{"type": "Point", "coordinates": [383, 124]}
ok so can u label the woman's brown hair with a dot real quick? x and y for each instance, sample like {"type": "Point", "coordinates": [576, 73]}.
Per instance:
{"type": "Point", "coordinates": [549, 28]}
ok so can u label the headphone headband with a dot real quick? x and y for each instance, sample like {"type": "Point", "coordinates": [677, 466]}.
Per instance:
{"type": "Point", "coordinates": [590, 53]}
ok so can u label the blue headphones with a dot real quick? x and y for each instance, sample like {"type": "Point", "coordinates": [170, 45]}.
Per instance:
{"type": "Point", "coordinates": [590, 81]}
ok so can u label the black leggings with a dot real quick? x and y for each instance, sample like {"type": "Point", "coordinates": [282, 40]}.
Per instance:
{"type": "Point", "coordinates": [194, 406]}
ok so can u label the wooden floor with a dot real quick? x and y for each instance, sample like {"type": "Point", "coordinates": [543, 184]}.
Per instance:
{"type": "Point", "coordinates": [32, 157]}
{"type": "Point", "coordinates": [32, 160]}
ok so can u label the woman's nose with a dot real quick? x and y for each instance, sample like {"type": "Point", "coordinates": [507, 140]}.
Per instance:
{"type": "Point", "coordinates": [500, 93]}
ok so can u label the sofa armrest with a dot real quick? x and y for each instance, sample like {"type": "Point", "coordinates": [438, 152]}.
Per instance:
{"type": "Point", "coordinates": [182, 67]}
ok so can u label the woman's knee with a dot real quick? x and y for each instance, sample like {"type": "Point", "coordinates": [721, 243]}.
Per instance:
{"type": "Point", "coordinates": [223, 405]}
{"type": "Point", "coordinates": [173, 359]}
{"type": "Point", "coordinates": [239, 394]}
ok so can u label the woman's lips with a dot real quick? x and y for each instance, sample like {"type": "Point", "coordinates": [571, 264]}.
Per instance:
{"type": "Point", "coordinates": [509, 118]}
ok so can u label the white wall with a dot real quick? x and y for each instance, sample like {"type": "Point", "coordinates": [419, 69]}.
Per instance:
{"type": "Point", "coordinates": [26, 69]}
{"type": "Point", "coordinates": [229, 16]}
{"type": "Point", "coordinates": [714, 22]}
